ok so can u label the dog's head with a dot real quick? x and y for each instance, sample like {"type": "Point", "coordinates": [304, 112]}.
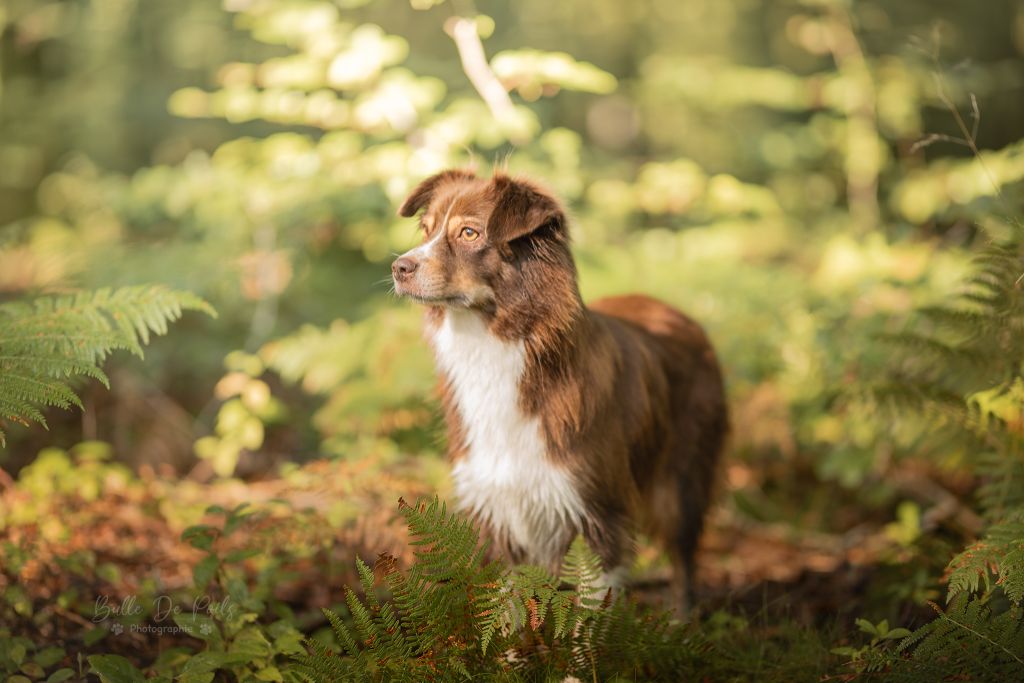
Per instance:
{"type": "Point", "coordinates": [482, 240]}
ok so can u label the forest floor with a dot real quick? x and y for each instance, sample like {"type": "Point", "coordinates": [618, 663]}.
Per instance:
{"type": "Point", "coordinates": [78, 540]}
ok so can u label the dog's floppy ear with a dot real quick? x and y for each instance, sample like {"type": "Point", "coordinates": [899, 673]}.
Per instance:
{"type": "Point", "coordinates": [521, 209]}
{"type": "Point", "coordinates": [423, 192]}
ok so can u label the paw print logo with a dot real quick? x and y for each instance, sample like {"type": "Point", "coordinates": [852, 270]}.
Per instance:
{"type": "Point", "coordinates": [117, 629]}
{"type": "Point", "coordinates": [206, 629]}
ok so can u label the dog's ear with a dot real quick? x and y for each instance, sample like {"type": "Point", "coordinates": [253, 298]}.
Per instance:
{"type": "Point", "coordinates": [521, 209]}
{"type": "Point", "coordinates": [421, 195]}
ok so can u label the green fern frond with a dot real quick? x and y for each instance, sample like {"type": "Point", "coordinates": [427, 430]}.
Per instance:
{"type": "Point", "coordinates": [963, 363]}
{"type": "Point", "coordinates": [582, 569]}
{"type": "Point", "coordinates": [934, 349]}
{"type": "Point", "coordinates": [344, 636]}
{"type": "Point", "coordinates": [967, 641]}
{"type": "Point", "coordinates": [454, 616]}
{"type": "Point", "coordinates": [1001, 493]}
{"type": "Point", "coordinates": [995, 560]}
{"type": "Point", "coordinates": [324, 665]}
{"type": "Point", "coordinates": [48, 341]}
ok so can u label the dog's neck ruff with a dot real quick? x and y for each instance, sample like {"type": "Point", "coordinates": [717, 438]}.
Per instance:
{"type": "Point", "coordinates": [505, 479]}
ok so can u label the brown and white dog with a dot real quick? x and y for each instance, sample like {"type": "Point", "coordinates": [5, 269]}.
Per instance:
{"type": "Point", "coordinates": [562, 418]}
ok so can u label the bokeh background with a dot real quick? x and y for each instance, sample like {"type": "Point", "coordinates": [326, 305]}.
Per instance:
{"type": "Point", "coordinates": [792, 174]}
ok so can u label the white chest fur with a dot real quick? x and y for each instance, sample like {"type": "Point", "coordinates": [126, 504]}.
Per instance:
{"type": "Point", "coordinates": [505, 478]}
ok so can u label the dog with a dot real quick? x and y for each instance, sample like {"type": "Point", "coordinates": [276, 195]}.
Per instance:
{"type": "Point", "coordinates": [562, 418]}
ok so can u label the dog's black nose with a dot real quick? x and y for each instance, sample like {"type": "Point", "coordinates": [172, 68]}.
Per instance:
{"type": "Point", "coordinates": [403, 267]}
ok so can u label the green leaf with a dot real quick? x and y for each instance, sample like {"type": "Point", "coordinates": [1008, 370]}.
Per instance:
{"type": "Point", "coordinates": [236, 518]}
{"type": "Point", "coordinates": [531, 69]}
{"type": "Point", "coordinates": [205, 570]}
{"type": "Point", "coordinates": [208, 662]}
{"type": "Point", "coordinates": [897, 634]}
{"type": "Point", "coordinates": [171, 659]}
{"type": "Point", "coordinates": [114, 669]}
{"type": "Point", "coordinates": [95, 635]}
{"type": "Point", "coordinates": [16, 597]}
{"type": "Point", "coordinates": [252, 644]}
{"type": "Point", "coordinates": [193, 677]}
{"type": "Point", "coordinates": [200, 536]}
{"type": "Point", "coordinates": [16, 653]}
{"type": "Point", "coordinates": [199, 626]}
{"type": "Point", "coordinates": [271, 673]}
{"type": "Point", "coordinates": [288, 641]}
{"type": "Point", "coordinates": [240, 555]}
{"type": "Point", "coordinates": [867, 627]}
{"type": "Point", "coordinates": [60, 675]}
{"type": "Point", "coordinates": [49, 656]}
{"type": "Point", "coordinates": [33, 670]}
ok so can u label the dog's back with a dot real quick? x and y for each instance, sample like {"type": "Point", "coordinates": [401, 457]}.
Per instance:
{"type": "Point", "coordinates": [674, 460]}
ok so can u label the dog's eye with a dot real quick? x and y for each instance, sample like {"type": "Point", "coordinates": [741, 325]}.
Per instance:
{"type": "Point", "coordinates": [469, 234]}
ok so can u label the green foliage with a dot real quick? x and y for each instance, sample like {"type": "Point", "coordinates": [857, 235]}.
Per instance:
{"type": "Point", "coordinates": [971, 639]}
{"type": "Point", "coordinates": [350, 364]}
{"type": "Point", "coordinates": [964, 366]}
{"type": "Point", "coordinates": [46, 342]}
{"type": "Point", "coordinates": [873, 655]}
{"type": "Point", "coordinates": [23, 660]}
{"type": "Point", "coordinates": [114, 669]}
{"type": "Point", "coordinates": [765, 166]}
{"type": "Point", "coordinates": [455, 616]}
{"type": "Point", "coordinates": [243, 417]}
{"type": "Point", "coordinates": [225, 615]}
{"type": "Point", "coordinates": [996, 561]}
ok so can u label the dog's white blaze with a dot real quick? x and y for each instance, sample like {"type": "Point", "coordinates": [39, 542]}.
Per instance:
{"type": "Point", "coordinates": [505, 478]}
{"type": "Point", "coordinates": [426, 249]}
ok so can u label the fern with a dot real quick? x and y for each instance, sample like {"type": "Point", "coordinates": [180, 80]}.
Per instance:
{"type": "Point", "coordinates": [963, 364]}
{"type": "Point", "coordinates": [453, 615]}
{"type": "Point", "coordinates": [47, 342]}
{"type": "Point", "coordinates": [970, 640]}
{"type": "Point", "coordinates": [996, 560]}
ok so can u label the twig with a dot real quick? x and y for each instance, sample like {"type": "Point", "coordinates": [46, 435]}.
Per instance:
{"type": "Point", "coordinates": [971, 140]}
{"type": "Point", "coordinates": [976, 115]}
{"type": "Point", "coordinates": [933, 138]}
{"type": "Point", "coordinates": [969, 136]}
{"type": "Point", "coordinates": [72, 616]}
{"type": "Point", "coordinates": [852, 63]}
{"type": "Point", "coordinates": [474, 63]}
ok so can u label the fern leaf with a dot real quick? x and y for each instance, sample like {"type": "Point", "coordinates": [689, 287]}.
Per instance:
{"type": "Point", "coordinates": [342, 633]}
{"type": "Point", "coordinates": [582, 569]}
{"type": "Point", "coordinates": [48, 341]}
{"type": "Point", "coordinates": [997, 559]}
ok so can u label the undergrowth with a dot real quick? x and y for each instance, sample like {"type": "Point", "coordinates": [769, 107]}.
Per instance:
{"type": "Point", "coordinates": [962, 366]}
{"type": "Point", "coordinates": [452, 615]}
